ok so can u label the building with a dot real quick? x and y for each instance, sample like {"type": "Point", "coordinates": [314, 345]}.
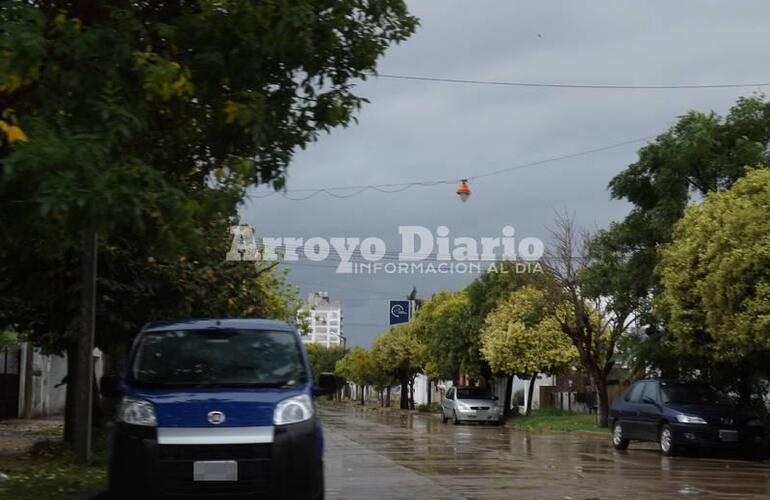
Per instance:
{"type": "Point", "coordinates": [323, 320]}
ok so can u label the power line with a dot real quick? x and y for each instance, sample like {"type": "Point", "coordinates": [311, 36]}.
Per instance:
{"type": "Point", "coordinates": [398, 187]}
{"type": "Point", "coordinates": [354, 289]}
{"type": "Point", "coordinates": [574, 85]}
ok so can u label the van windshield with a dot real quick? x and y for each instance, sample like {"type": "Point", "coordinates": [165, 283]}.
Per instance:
{"type": "Point", "coordinates": [230, 358]}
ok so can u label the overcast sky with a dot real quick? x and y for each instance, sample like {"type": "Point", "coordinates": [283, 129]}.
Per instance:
{"type": "Point", "coordinates": [415, 131]}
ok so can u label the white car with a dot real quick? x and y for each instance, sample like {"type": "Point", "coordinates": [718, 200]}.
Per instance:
{"type": "Point", "coordinates": [470, 404]}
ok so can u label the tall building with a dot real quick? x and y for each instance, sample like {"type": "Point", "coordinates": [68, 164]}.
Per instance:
{"type": "Point", "coordinates": [324, 318]}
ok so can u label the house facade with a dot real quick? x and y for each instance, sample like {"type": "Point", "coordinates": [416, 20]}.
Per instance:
{"type": "Point", "coordinates": [324, 320]}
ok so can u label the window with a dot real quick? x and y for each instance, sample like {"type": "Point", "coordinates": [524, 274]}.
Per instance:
{"type": "Point", "coordinates": [217, 358]}
{"type": "Point", "coordinates": [474, 393]}
{"type": "Point", "coordinates": [650, 391]}
{"type": "Point", "coordinates": [692, 393]}
{"type": "Point", "coordinates": [450, 394]}
{"type": "Point", "coordinates": [634, 394]}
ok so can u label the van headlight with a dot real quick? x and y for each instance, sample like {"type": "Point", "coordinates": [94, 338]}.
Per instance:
{"type": "Point", "coordinates": [293, 410]}
{"type": "Point", "coordinates": [754, 422]}
{"type": "Point", "coordinates": [137, 412]}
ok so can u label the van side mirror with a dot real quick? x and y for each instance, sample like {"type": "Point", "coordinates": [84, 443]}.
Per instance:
{"type": "Point", "coordinates": [109, 387]}
{"type": "Point", "coordinates": [327, 384]}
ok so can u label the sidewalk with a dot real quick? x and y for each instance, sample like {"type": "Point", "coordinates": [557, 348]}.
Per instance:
{"type": "Point", "coordinates": [17, 436]}
{"type": "Point", "coordinates": [38, 465]}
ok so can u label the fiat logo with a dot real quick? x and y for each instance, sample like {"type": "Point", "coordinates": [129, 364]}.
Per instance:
{"type": "Point", "coordinates": [216, 417]}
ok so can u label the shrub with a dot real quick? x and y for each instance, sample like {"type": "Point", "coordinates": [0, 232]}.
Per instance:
{"type": "Point", "coordinates": [431, 408]}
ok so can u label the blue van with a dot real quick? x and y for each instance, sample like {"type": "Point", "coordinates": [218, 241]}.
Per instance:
{"type": "Point", "coordinates": [217, 408]}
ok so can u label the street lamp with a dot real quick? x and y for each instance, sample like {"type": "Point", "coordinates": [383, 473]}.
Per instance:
{"type": "Point", "coordinates": [463, 190]}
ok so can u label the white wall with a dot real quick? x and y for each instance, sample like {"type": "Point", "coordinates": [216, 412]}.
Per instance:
{"type": "Point", "coordinates": [48, 372]}
{"type": "Point", "coordinates": [519, 384]}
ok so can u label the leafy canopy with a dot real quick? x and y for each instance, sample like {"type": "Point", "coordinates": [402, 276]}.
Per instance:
{"type": "Point", "coordinates": [147, 121]}
{"type": "Point", "coordinates": [716, 272]}
{"type": "Point", "coordinates": [701, 153]}
{"type": "Point", "coordinates": [358, 366]}
{"type": "Point", "coordinates": [399, 352]}
{"type": "Point", "coordinates": [520, 336]}
{"type": "Point", "coordinates": [442, 327]}
{"type": "Point", "coordinates": [324, 359]}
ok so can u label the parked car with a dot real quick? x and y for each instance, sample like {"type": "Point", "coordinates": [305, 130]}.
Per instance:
{"type": "Point", "coordinates": [217, 407]}
{"type": "Point", "coordinates": [470, 404]}
{"type": "Point", "coordinates": [679, 415]}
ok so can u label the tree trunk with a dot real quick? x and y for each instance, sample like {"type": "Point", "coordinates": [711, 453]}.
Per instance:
{"type": "Point", "coordinates": [507, 396]}
{"type": "Point", "coordinates": [84, 352]}
{"type": "Point", "coordinates": [404, 394]}
{"type": "Point", "coordinates": [363, 390]}
{"type": "Point", "coordinates": [387, 397]}
{"type": "Point", "coordinates": [603, 407]}
{"type": "Point", "coordinates": [411, 394]}
{"type": "Point", "coordinates": [429, 391]}
{"type": "Point", "coordinates": [29, 356]}
{"type": "Point", "coordinates": [744, 387]}
{"type": "Point", "coordinates": [69, 405]}
{"type": "Point", "coordinates": [530, 393]}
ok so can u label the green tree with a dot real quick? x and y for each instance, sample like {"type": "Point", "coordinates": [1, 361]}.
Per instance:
{"type": "Point", "coordinates": [701, 153]}
{"type": "Point", "coordinates": [441, 325]}
{"type": "Point", "coordinates": [400, 353]}
{"type": "Point", "coordinates": [522, 337]}
{"type": "Point", "coordinates": [8, 339]}
{"type": "Point", "coordinates": [156, 116]}
{"type": "Point", "coordinates": [715, 275]}
{"type": "Point", "coordinates": [324, 359]}
{"type": "Point", "coordinates": [359, 367]}
{"type": "Point", "coordinates": [484, 294]}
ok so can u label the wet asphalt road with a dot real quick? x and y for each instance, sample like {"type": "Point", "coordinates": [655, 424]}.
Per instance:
{"type": "Point", "coordinates": [415, 457]}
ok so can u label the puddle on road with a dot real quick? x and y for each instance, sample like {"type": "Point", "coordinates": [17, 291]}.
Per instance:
{"type": "Point", "coordinates": [479, 461]}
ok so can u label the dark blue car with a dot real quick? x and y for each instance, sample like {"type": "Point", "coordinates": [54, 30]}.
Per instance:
{"type": "Point", "coordinates": [679, 415]}
{"type": "Point", "coordinates": [217, 408]}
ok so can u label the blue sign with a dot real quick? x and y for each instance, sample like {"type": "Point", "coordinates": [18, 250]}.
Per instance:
{"type": "Point", "coordinates": [399, 312]}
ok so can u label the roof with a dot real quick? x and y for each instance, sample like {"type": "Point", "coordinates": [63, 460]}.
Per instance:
{"type": "Point", "coordinates": [205, 324]}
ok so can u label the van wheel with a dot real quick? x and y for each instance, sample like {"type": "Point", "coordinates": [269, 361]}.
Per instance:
{"type": "Point", "coordinates": [666, 441]}
{"type": "Point", "coordinates": [618, 441]}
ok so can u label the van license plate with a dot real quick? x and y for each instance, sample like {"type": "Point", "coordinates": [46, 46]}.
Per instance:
{"type": "Point", "coordinates": [728, 435]}
{"type": "Point", "coordinates": [220, 470]}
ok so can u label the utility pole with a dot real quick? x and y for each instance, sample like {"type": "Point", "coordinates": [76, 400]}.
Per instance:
{"type": "Point", "coordinates": [84, 374]}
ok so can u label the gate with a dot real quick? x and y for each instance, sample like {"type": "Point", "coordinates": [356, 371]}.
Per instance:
{"type": "Point", "coordinates": [10, 360]}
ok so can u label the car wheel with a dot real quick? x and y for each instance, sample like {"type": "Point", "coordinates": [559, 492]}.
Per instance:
{"type": "Point", "coordinates": [618, 441]}
{"type": "Point", "coordinates": [454, 418]}
{"type": "Point", "coordinates": [666, 441]}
